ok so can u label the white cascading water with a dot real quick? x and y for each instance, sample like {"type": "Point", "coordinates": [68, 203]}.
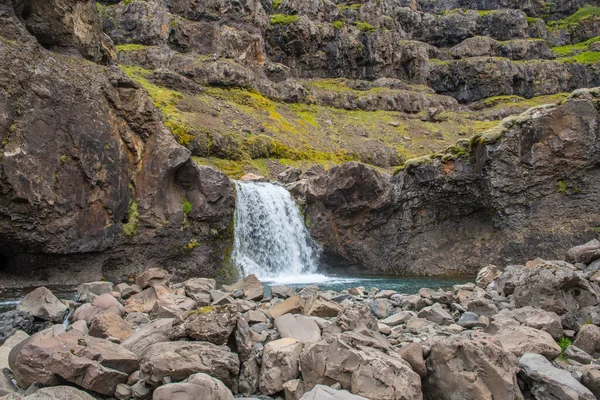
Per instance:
{"type": "Point", "coordinates": [271, 240]}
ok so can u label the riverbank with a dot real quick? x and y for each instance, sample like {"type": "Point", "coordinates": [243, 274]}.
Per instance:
{"type": "Point", "coordinates": [519, 333]}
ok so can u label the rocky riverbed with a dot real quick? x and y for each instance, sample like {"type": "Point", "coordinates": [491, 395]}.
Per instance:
{"type": "Point", "coordinates": [528, 331]}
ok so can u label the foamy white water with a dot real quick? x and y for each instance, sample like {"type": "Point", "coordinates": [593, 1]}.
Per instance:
{"type": "Point", "coordinates": [271, 240]}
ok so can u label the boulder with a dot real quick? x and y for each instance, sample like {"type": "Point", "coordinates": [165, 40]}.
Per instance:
{"type": "Point", "coordinates": [471, 363]}
{"type": "Point", "coordinates": [546, 321]}
{"type": "Point", "coordinates": [292, 305]}
{"type": "Point", "coordinates": [436, 313]}
{"type": "Point", "coordinates": [143, 301]}
{"type": "Point", "coordinates": [152, 277]}
{"type": "Point", "coordinates": [299, 327]}
{"type": "Point", "coordinates": [127, 290]}
{"type": "Point", "coordinates": [471, 320]}
{"type": "Point", "coordinates": [413, 354]}
{"type": "Point", "coordinates": [588, 339]}
{"type": "Point", "coordinates": [251, 285]}
{"type": "Point", "coordinates": [243, 340]}
{"type": "Point", "coordinates": [367, 371]}
{"type": "Point", "coordinates": [585, 253]}
{"type": "Point", "coordinates": [43, 304]}
{"type": "Point", "coordinates": [355, 316]}
{"type": "Point", "coordinates": [8, 345]}
{"type": "Point", "coordinates": [169, 304]}
{"type": "Point", "coordinates": [487, 275]}
{"type": "Point", "coordinates": [110, 326]}
{"type": "Point", "coordinates": [399, 318]}
{"type": "Point", "coordinates": [294, 389]}
{"type": "Point", "coordinates": [248, 379]}
{"type": "Point", "coordinates": [591, 378]}
{"type": "Point", "coordinates": [198, 386]}
{"type": "Point", "coordinates": [212, 324]}
{"type": "Point", "coordinates": [87, 292]}
{"type": "Point", "coordinates": [290, 175]}
{"type": "Point", "coordinates": [280, 363]}
{"type": "Point", "coordinates": [319, 306]}
{"type": "Point", "coordinates": [575, 353]}
{"type": "Point", "coordinates": [282, 291]}
{"type": "Point", "coordinates": [256, 316]}
{"type": "Point", "coordinates": [547, 382]}
{"type": "Point", "coordinates": [59, 393]}
{"type": "Point", "coordinates": [179, 360]}
{"type": "Point", "coordinates": [198, 289]}
{"type": "Point", "coordinates": [160, 330]}
{"type": "Point", "coordinates": [322, 392]}
{"type": "Point", "coordinates": [12, 321]}
{"type": "Point", "coordinates": [91, 363]}
{"type": "Point", "coordinates": [521, 340]}
{"type": "Point", "coordinates": [411, 302]}
{"type": "Point", "coordinates": [381, 308]}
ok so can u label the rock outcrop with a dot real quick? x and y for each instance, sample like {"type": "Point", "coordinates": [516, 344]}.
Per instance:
{"type": "Point", "coordinates": [93, 183]}
{"type": "Point", "coordinates": [508, 194]}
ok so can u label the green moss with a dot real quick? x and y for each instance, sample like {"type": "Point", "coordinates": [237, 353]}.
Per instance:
{"type": "Point", "coordinates": [130, 47]}
{"type": "Point", "coordinates": [337, 25]}
{"type": "Point", "coordinates": [283, 19]}
{"type": "Point", "coordinates": [532, 21]}
{"type": "Point", "coordinates": [596, 229]}
{"type": "Point", "coordinates": [561, 186]}
{"type": "Point", "coordinates": [276, 4]}
{"type": "Point", "coordinates": [364, 26]}
{"type": "Point", "coordinates": [571, 49]}
{"type": "Point", "coordinates": [191, 245]}
{"type": "Point", "coordinates": [587, 57]}
{"type": "Point", "coordinates": [483, 13]}
{"type": "Point", "coordinates": [12, 128]}
{"type": "Point", "coordinates": [132, 225]}
{"type": "Point", "coordinates": [187, 206]}
{"type": "Point", "coordinates": [63, 159]}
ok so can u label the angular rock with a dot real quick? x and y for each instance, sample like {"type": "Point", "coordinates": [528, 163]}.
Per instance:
{"type": "Point", "coordinates": [522, 340]}
{"type": "Point", "coordinates": [87, 292]}
{"type": "Point", "coordinates": [399, 318]}
{"type": "Point", "coordinates": [436, 314]}
{"type": "Point", "coordinates": [355, 316]}
{"type": "Point", "coordinates": [360, 369]}
{"type": "Point", "coordinates": [591, 378]}
{"type": "Point", "coordinates": [8, 345]}
{"type": "Point", "coordinates": [292, 305]}
{"type": "Point", "coordinates": [152, 277]}
{"type": "Point", "coordinates": [59, 393]}
{"type": "Point", "coordinates": [12, 321]}
{"type": "Point", "coordinates": [179, 360]}
{"type": "Point", "coordinates": [547, 382]}
{"type": "Point", "coordinates": [322, 392]}
{"type": "Point", "coordinates": [588, 339]}
{"type": "Point", "coordinates": [294, 389]}
{"type": "Point", "coordinates": [280, 364]}
{"type": "Point", "coordinates": [282, 291]}
{"type": "Point", "coordinates": [198, 289]}
{"type": "Point", "coordinates": [472, 363]}
{"type": "Point", "coordinates": [198, 386]}
{"type": "Point", "coordinates": [411, 302]}
{"type": "Point", "coordinates": [575, 353]}
{"type": "Point", "coordinates": [91, 363]}
{"type": "Point", "coordinates": [319, 306]}
{"type": "Point", "coordinates": [160, 330]}
{"type": "Point", "coordinates": [169, 305]}
{"type": "Point", "coordinates": [110, 326]}
{"type": "Point", "coordinates": [299, 327]}
{"type": "Point", "coordinates": [586, 253]}
{"type": "Point", "coordinates": [212, 324]}
{"type": "Point", "coordinates": [42, 303]}
{"type": "Point", "coordinates": [539, 319]}
{"type": "Point", "coordinates": [248, 379]}
{"type": "Point", "coordinates": [381, 308]}
{"type": "Point", "coordinates": [470, 320]}
{"type": "Point", "coordinates": [413, 354]}
{"type": "Point", "coordinates": [251, 285]}
{"type": "Point", "coordinates": [487, 275]}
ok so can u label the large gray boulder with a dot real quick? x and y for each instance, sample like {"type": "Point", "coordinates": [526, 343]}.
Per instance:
{"type": "Point", "coordinates": [361, 366]}
{"type": "Point", "coordinates": [280, 363]}
{"type": "Point", "coordinates": [585, 253]}
{"type": "Point", "coordinates": [472, 364]}
{"type": "Point", "coordinates": [43, 304]}
{"type": "Point", "coordinates": [299, 327]}
{"type": "Point", "coordinates": [547, 382]}
{"type": "Point", "coordinates": [588, 339]}
{"type": "Point", "coordinates": [179, 360]}
{"type": "Point", "coordinates": [212, 324]}
{"type": "Point", "coordinates": [522, 339]}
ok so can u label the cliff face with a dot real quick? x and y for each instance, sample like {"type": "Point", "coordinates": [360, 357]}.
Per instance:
{"type": "Point", "coordinates": [529, 186]}
{"type": "Point", "coordinates": [92, 184]}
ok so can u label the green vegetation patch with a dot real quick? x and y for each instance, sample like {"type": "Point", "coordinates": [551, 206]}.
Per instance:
{"type": "Point", "coordinates": [364, 26]}
{"type": "Point", "coordinates": [337, 25]}
{"type": "Point", "coordinates": [276, 4]}
{"type": "Point", "coordinates": [130, 47]}
{"type": "Point", "coordinates": [283, 19]}
{"type": "Point", "coordinates": [132, 226]}
{"type": "Point", "coordinates": [187, 206]}
{"type": "Point", "coordinates": [561, 186]}
{"type": "Point", "coordinates": [587, 57]}
{"type": "Point", "coordinates": [573, 20]}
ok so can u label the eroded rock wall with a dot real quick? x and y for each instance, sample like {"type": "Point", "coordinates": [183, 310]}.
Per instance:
{"type": "Point", "coordinates": [529, 186]}
{"type": "Point", "coordinates": [92, 184]}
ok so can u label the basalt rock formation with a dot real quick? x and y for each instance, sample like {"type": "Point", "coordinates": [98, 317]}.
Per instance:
{"type": "Point", "coordinates": [92, 184]}
{"type": "Point", "coordinates": [528, 186]}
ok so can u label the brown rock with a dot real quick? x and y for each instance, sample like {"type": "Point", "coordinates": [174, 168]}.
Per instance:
{"type": "Point", "coordinates": [42, 303]}
{"type": "Point", "coordinates": [588, 339]}
{"type": "Point", "coordinates": [153, 276]}
{"type": "Point", "coordinates": [413, 354]}
{"type": "Point", "coordinates": [292, 305]}
{"type": "Point", "coordinates": [523, 339]}
{"type": "Point", "coordinates": [212, 324]}
{"type": "Point", "coordinates": [198, 386]}
{"type": "Point", "coordinates": [110, 326]}
{"type": "Point", "coordinates": [252, 287]}
{"type": "Point", "coordinates": [319, 306]}
{"type": "Point", "coordinates": [280, 364]}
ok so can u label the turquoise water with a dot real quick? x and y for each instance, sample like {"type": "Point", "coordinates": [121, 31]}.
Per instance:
{"type": "Point", "coordinates": [401, 284]}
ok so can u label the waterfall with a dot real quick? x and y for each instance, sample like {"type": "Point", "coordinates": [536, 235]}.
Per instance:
{"type": "Point", "coordinates": [271, 240]}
